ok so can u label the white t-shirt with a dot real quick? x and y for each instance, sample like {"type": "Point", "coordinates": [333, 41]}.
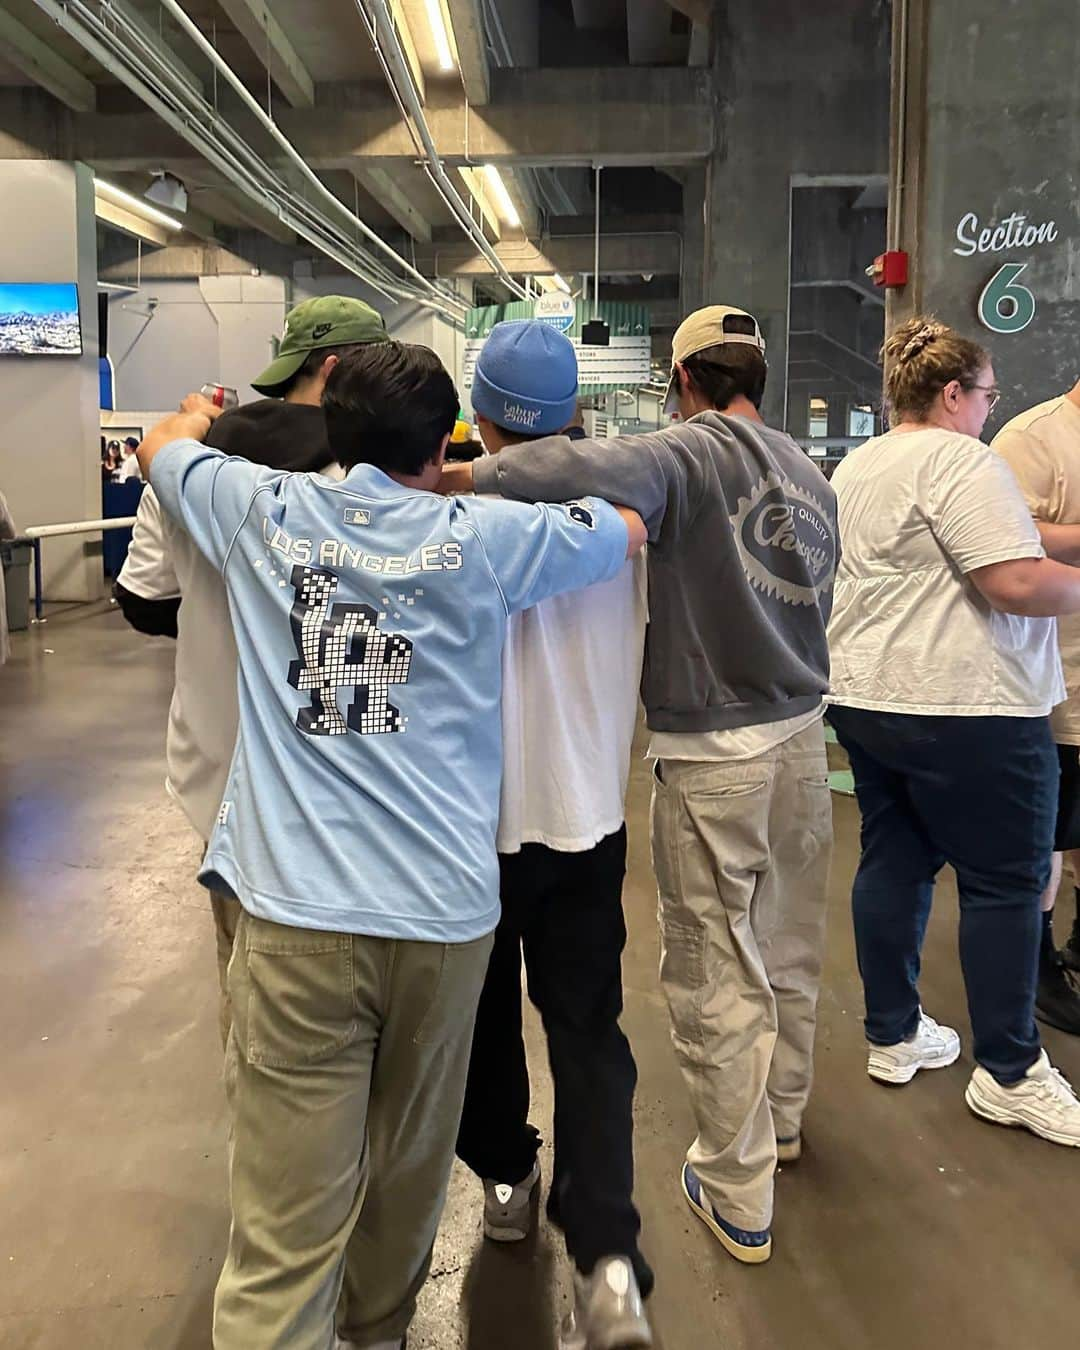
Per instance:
{"type": "Point", "coordinates": [162, 562]}
{"type": "Point", "coordinates": [733, 746]}
{"type": "Point", "coordinates": [571, 669]}
{"type": "Point", "coordinates": [909, 633]}
{"type": "Point", "coordinates": [129, 468]}
{"type": "Point", "coordinates": [204, 714]}
{"type": "Point", "coordinates": [1042, 447]}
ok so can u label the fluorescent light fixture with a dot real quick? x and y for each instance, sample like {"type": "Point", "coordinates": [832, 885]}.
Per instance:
{"type": "Point", "coordinates": [561, 283]}
{"type": "Point", "coordinates": [499, 195]}
{"type": "Point", "coordinates": [442, 37]}
{"type": "Point", "coordinates": [135, 205]}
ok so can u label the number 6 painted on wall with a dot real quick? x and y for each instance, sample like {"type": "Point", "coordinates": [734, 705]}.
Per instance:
{"type": "Point", "coordinates": [1005, 306]}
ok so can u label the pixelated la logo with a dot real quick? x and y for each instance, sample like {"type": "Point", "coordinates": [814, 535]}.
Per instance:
{"type": "Point", "coordinates": [357, 516]}
{"type": "Point", "coordinates": [581, 513]}
{"type": "Point", "coordinates": [343, 647]}
{"type": "Point", "coordinates": [785, 541]}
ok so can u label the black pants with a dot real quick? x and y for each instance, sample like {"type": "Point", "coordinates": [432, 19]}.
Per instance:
{"type": "Point", "coordinates": [565, 911]}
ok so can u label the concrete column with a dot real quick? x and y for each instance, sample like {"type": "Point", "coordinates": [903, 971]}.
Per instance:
{"type": "Point", "coordinates": [838, 413]}
{"type": "Point", "coordinates": [50, 468]}
{"type": "Point", "coordinates": [966, 204]}
{"type": "Point", "coordinates": [801, 93]}
{"type": "Point", "coordinates": [695, 242]}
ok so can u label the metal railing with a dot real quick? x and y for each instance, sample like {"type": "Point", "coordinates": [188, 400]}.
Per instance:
{"type": "Point", "coordinates": [36, 533]}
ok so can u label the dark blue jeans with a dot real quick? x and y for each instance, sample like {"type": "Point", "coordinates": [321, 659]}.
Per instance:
{"type": "Point", "coordinates": [979, 793]}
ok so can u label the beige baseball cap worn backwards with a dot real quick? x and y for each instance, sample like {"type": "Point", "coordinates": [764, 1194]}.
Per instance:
{"type": "Point", "coordinates": [325, 321]}
{"type": "Point", "coordinates": [709, 327]}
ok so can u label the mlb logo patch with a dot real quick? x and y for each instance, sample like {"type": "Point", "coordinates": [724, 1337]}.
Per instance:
{"type": "Point", "coordinates": [581, 513]}
{"type": "Point", "coordinates": [357, 516]}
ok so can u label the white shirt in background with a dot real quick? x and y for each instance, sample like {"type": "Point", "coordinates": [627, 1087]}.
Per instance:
{"type": "Point", "coordinates": [732, 746]}
{"type": "Point", "coordinates": [1042, 447]}
{"type": "Point", "coordinates": [909, 633]}
{"type": "Point", "coordinates": [204, 714]}
{"type": "Point", "coordinates": [571, 670]}
{"type": "Point", "coordinates": [129, 468]}
{"type": "Point", "coordinates": [162, 563]}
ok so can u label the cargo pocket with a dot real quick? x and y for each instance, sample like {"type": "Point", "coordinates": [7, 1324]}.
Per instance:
{"type": "Point", "coordinates": [300, 1007]}
{"type": "Point", "coordinates": [682, 974]}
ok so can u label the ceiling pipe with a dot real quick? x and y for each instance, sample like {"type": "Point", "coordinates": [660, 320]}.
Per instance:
{"type": "Point", "coordinates": [384, 36]}
{"type": "Point", "coordinates": [210, 52]}
{"type": "Point", "coordinates": [197, 122]}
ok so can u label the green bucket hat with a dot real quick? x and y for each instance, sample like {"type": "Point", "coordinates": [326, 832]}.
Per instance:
{"type": "Point", "coordinates": [326, 321]}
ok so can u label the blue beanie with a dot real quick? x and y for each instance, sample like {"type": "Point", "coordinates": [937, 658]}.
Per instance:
{"type": "Point", "coordinates": [526, 378]}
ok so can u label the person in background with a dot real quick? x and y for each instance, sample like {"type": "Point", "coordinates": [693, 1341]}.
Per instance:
{"type": "Point", "coordinates": [570, 674]}
{"type": "Point", "coordinates": [168, 588]}
{"type": "Point", "coordinates": [358, 827]}
{"type": "Point", "coordinates": [7, 531]}
{"type": "Point", "coordinates": [129, 462]}
{"type": "Point", "coordinates": [1042, 447]}
{"type": "Point", "coordinates": [741, 558]}
{"type": "Point", "coordinates": [945, 668]}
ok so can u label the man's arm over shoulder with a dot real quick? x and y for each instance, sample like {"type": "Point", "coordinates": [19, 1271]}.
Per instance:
{"type": "Point", "coordinates": [659, 474]}
{"type": "Point", "coordinates": [538, 551]}
{"type": "Point", "coordinates": [207, 493]}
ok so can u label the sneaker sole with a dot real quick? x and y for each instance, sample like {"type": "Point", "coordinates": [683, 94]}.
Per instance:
{"type": "Point", "coordinates": [899, 1074]}
{"type": "Point", "coordinates": [790, 1151]}
{"type": "Point", "coordinates": [497, 1234]}
{"type": "Point", "coordinates": [749, 1256]}
{"type": "Point", "coordinates": [993, 1113]}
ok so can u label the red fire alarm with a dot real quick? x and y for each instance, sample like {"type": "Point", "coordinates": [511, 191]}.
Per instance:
{"type": "Point", "coordinates": [889, 269]}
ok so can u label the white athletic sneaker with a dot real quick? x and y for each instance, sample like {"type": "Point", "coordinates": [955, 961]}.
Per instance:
{"type": "Point", "coordinates": [507, 1209]}
{"type": "Point", "coordinates": [929, 1047]}
{"type": "Point", "coordinates": [607, 1312]}
{"type": "Point", "coordinates": [1043, 1102]}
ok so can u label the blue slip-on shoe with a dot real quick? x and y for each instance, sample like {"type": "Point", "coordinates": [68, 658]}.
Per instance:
{"type": "Point", "coordinates": [741, 1243]}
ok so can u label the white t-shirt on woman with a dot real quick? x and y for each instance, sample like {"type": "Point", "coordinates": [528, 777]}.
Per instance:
{"type": "Point", "coordinates": [909, 632]}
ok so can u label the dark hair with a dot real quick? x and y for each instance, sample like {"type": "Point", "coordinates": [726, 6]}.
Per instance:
{"type": "Point", "coordinates": [313, 363]}
{"type": "Point", "coordinates": [133, 441]}
{"type": "Point", "coordinates": [389, 404]}
{"type": "Point", "coordinates": [464, 452]}
{"type": "Point", "coordinates": [921, 357]}
{"type": "Point", "coordinates": [723, 372]}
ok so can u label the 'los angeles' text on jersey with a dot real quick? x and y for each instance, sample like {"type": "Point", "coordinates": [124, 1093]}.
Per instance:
{"type": "Point", "coordinates": [444, 557]}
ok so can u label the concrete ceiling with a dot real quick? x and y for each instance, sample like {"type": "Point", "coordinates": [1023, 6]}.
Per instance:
{"type": "Point", "coordinates": [313, 60]}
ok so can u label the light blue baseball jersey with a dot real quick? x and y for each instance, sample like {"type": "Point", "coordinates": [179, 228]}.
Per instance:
{"type": "Point", "coordinates": [363, 795]}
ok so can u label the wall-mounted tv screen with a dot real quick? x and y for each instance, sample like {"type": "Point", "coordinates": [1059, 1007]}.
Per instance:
{"type": "Point", "coordinates": [39, 319]}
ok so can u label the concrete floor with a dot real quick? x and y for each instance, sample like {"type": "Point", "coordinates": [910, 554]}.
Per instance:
{"type": "Point", "coordinates": [907, 1224]}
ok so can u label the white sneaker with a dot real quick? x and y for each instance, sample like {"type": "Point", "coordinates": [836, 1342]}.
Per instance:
{"type": "Point", "coordinates": [929, 1047]}
{"type": "Point", "coordinates": [508, 1209]}
{"type": "Point", "coordinates": [1042, 1102]}
{"type": "Point", "coordinates": [607, 1312]}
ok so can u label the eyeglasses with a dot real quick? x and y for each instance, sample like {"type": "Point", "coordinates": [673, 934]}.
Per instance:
{"type": "Point", "coordinates": [992, 390]}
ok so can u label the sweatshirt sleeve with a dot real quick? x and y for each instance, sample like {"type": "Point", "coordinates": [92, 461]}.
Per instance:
{"type": "Point", "coordinates": [659, 475]}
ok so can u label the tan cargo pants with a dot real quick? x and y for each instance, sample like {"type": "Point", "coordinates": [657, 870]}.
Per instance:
{"type": "Point", "coordinates": [741, 852]}
{"type": "Point", "coordinates": [351, 1057]}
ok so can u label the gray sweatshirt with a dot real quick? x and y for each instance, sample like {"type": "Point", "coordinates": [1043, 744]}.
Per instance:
{"type": "Point", "coordinates": [742, 554]}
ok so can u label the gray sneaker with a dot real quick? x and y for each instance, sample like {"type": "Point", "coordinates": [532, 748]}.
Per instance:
{"type": "Point", "coordinates": [508, 1209]}
{"type": "Point", "coordinates": [607, 1312]}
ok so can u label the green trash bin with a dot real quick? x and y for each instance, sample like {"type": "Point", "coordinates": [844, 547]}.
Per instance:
{"type": "Point", "coordinates": [17, 556]}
